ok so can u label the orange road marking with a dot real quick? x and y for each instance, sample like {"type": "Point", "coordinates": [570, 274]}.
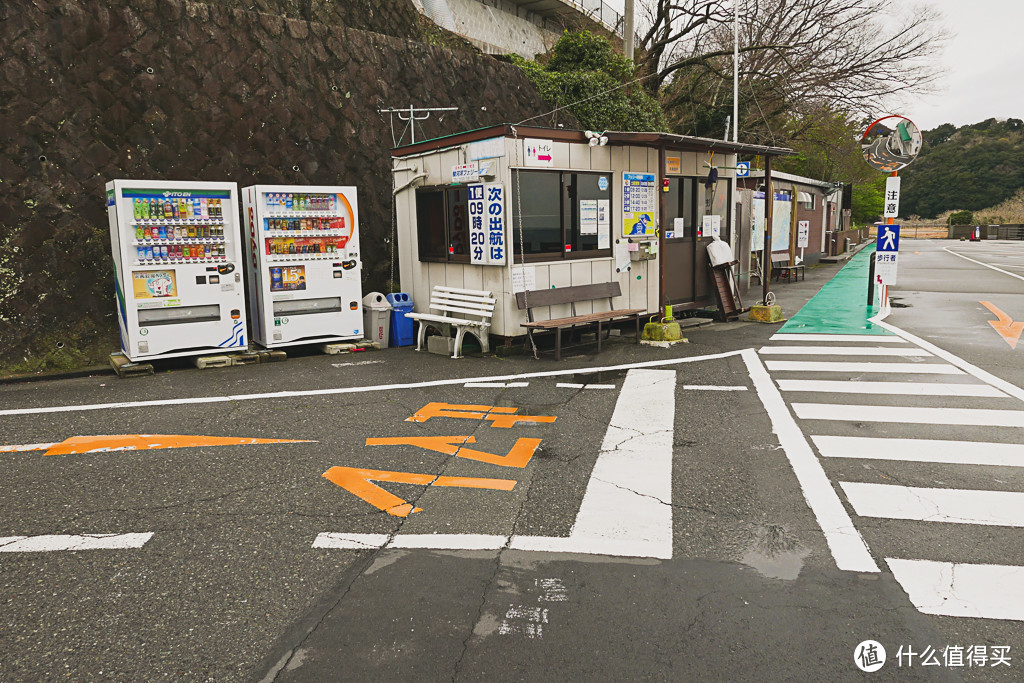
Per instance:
{"type": "Point", "coordinates": [76, 445]}
{"type": "Point", "coordinates": [1007, 329]}
{"type": "Point", "coordinates": [441, 444]}
{"type": "Point", "coordinates": [519, 456]}
{"type": "Point", "coordinates": [499, 416]}
{"type": "Point", "coordinates": [359, 482]}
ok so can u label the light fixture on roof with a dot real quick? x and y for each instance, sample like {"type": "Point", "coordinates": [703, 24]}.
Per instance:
{"type": "Point", "coordinates": [596, 139]}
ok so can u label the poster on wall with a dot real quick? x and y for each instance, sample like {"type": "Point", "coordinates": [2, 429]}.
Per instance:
{"type": "Point", "coordinates": [604, 223]}
{"type": "Point", "coordinates": [588, 216]}
{"type": "Point", "coordinates": [782, 212]}
{"type": "Point", "coordinates": [524, 278]}
{"type": "Point", "coordinates": [639, 195]}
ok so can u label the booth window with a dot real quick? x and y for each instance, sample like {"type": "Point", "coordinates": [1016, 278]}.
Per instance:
{"type": "Point", "coordinates": [716, 203]}
{"type": "Point", "coordinates": [680, 204]}
{"type": "Point", "coordinates": [441, 222]}
{"type": "Point", "coordinates": [551, 223]}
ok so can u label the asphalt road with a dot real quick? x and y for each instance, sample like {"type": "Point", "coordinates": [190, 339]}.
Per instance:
{"type": "Point", "coordinates": [260, 568]}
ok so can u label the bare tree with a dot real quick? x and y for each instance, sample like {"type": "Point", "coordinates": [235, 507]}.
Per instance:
{"type": "Point", "coordinates": [796, 55]}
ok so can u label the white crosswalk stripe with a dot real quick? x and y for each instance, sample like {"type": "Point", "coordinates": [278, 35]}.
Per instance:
{"type": "Point", "coordinates": [915, 400]}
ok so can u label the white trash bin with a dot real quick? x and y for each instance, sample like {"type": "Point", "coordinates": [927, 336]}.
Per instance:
{"type": "Point", "coordinates": [377, 318]}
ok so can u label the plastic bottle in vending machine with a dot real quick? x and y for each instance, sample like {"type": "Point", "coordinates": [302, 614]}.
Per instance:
{"type": "Point", "coordinates": [140, 232]}
{"type": "Point", "coordinates": [288, 202]}
{"type": "Point", "coordinates": [331, 202]}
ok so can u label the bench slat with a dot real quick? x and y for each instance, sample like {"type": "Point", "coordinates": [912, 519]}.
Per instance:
{"type": "Point", "coordinates": [459, 309]}
{"type": "Point", "coordinates": [447, 319]}
{"type": "Point", "coordinates": [465, 304]}
{"type": "Point", "coordinates": [586, 318]}
{"type": "Point", "coordinates": [566, 295]}
{"type": "Point", "coordinates": [487, 298]}
{"type": "Point", "coordinates": [456, 290]}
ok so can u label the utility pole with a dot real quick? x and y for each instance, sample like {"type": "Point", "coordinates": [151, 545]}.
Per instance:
{"type": "Point", "coordinates": [735, 70]}
{"type": "Point", "coordinates": [627, 31]}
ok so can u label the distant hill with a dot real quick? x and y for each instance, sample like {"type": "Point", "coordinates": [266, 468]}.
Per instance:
{"type": "Point", "coordinates": [973, 167]}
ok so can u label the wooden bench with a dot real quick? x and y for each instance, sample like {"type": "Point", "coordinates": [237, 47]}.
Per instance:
{"type": "Point", "coordinates": [571, 295]}
{"type": "Point", "coordinates": [781, 266]}
{"type": "Point", "coordinates": [469, 302]}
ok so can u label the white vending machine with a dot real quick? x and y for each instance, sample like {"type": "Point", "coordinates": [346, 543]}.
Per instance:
{"type": "Point", "coordinates": [177, 267]}
{"type": "Point", "coordinates": [302, 258]}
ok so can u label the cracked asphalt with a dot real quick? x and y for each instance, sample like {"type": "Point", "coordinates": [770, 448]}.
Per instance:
{"type": "Point", "coordinates": [230, 587]}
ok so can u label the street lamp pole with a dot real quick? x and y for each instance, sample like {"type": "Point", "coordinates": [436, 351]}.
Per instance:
{"type": "Point", "coordinates": [735, 70]}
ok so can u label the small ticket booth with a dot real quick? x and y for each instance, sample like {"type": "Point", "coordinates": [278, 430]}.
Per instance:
{"type": "Point", "coordinates": [509, 208]}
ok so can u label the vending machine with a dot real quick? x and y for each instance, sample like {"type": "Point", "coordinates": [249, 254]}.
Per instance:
{"type": "Point", "coordinates": [177, 267]}
{"type": "Point", "coordinates": [302, 258]}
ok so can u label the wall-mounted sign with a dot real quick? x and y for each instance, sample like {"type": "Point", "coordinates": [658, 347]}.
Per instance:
{"type": "Point", "coordinates": [890, 143]}
{"type": "Point", "coordinates": [539, 152]}
{"type": "Point", "coordinates": [486, 224]}
{"type": "Point", "coordinates": [743, 169]}
{"type": "Point", "coordinates": [494, 194]}
{"type": "Point", "coordinates": [466, 173]}
{"type": "Point", "coordinates": [604, 223]}
{"type": "Point", "coordinates": [491, 148]}
{"type": "Point", "coordinates": [673, 165]}
{"type": "Point", "coordinates": [638, 201]}
{"type": "Point", "coordinates": [602, 183]}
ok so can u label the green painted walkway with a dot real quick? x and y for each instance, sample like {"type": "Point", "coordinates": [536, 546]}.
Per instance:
{"type": "Point", "coordinates": [839, 308]}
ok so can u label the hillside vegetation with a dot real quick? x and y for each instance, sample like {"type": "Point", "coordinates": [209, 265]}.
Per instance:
{"type": "Point", "coordinates": [975, 167]}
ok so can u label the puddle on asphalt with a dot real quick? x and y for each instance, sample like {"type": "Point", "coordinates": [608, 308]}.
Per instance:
{"type": "Point", "coordinates": [776, 554]}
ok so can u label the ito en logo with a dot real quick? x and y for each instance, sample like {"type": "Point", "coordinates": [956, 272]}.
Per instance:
{"type": "Point", "coordinates": [869, 656]}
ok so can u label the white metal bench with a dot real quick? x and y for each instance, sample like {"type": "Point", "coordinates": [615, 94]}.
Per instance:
{"type": "Point", "coordinates": [469, 302]}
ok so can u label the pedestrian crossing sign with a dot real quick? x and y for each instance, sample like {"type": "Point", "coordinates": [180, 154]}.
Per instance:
{"type": "Point", "coordinates": [888, 238]}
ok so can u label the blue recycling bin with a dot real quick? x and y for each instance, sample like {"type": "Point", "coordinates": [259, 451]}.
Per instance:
{"type": "Point", "coordinates": [401, 333]}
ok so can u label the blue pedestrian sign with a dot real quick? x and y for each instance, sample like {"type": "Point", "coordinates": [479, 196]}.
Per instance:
{"type": "Point", "coordinates": [888, 238]}
{"type": "Point", "coordinates": [743, 169]}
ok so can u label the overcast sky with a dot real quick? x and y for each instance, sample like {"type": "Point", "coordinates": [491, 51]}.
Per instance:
{"type": "Point", "coordinates": [983, 63]}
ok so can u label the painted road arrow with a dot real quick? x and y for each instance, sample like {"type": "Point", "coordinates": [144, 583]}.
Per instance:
{"type": "Point", "coordinates": [77, 445]}
{"type": "Point", "coordinates": [1007, 329]}
{"type": "Point", "coordinates": [360, 483]}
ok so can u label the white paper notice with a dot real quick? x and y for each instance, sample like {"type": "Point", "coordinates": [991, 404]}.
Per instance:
{"type": "Point", "coordinates": [604, 223]}
{"type": "Point", "coordinates": [711, 226]}
{"type": "Point", "coordinates": [524, 278]}
{"type": "Point", "coordinates": [621, 255]}
{"type": "Point", "coordinates": [588, 216]}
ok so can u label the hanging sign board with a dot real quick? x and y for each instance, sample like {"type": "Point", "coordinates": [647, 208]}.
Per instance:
{"type": "Point", "coordinates": [539, 152]}
{"type": "Point", "coordinates": [803, 234]}
{"type": "Point", "coordinates": [639, 196]}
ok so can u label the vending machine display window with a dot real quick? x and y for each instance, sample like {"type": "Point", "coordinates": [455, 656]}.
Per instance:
{"type": "Point", "coordinates": [302, 262]}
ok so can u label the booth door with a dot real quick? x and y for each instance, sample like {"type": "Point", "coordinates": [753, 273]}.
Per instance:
{"type": "Point", "coordinates": [713, 201]}
{"type": "Point", "coordinates": [680, 236]}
